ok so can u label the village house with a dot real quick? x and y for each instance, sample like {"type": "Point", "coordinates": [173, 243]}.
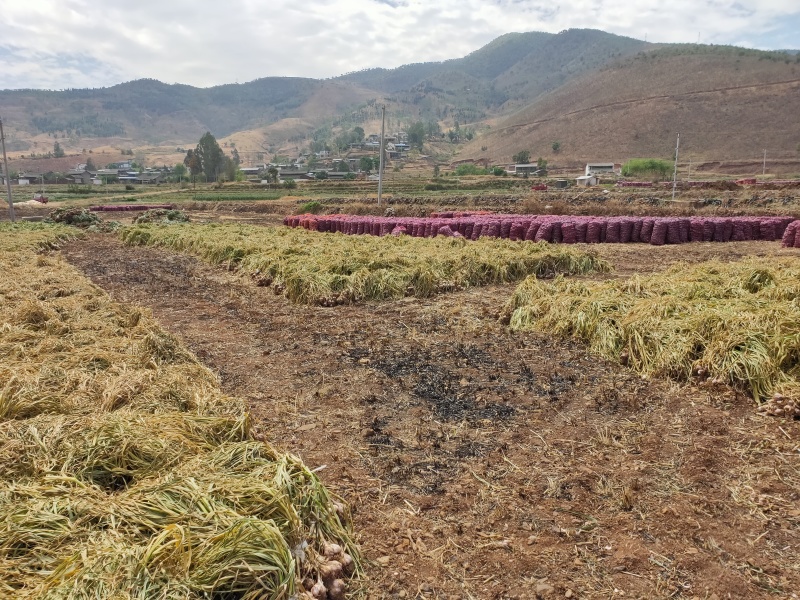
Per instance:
{"type": "Point", "coordinates": [524, 169]}
{"type": "Point", "coordinates": [80, 176]}
{"type": "Point", "coordinates": [598, 168]}
{"type": "Point", "coordinates": [29, 178]}
{"type": "Point", "coordinates": [586, 180]}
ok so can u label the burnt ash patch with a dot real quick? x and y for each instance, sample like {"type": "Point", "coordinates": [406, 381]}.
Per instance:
{"type": "Point", "coordinates": [451, 396]}
{"type": "Point", "coordinates": [457, 383]}
{"type": "Point", "coordinates": [442, 389]}
{"type": "Point", "coordinates": [556, 386]}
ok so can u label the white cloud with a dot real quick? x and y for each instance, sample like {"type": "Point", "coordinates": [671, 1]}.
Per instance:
{"type": "Point", "coordinates": [77, 43]}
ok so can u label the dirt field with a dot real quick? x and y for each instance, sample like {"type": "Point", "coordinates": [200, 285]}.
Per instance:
{"type": "Point", "coordinates": [484, 464]}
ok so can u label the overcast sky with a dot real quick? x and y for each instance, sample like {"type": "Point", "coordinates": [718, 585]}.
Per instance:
{"type": "Point", "coordinates": [56, 44]}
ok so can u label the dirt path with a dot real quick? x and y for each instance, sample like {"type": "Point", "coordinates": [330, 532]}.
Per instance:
{"type": "Point", "coordinates": [630, 259]}
{"type": "Point", "coordinates": [483, 464]}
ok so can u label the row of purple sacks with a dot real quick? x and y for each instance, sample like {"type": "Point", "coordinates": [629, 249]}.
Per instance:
{"type": "Point", "coordinates": [791, 237]}
{"type": "Point", "coordinates": [561, 229]}
{"type": "Point", "coordinates": [656, 231]}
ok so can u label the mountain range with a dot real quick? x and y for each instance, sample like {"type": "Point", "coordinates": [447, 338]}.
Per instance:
{"type": "Point", "coordinates": [599, 95]}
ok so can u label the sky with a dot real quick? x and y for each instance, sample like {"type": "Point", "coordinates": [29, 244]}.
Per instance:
{"type": "Point", "coordinates": [59, 44]}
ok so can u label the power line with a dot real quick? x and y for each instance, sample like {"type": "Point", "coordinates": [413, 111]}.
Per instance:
{"type": "Point", "coordinates": [675, 172]}
{"type": "Point", "coordinates": [380, 166]}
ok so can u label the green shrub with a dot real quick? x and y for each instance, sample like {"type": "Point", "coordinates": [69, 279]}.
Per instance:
{"type": "Point", "coordinates": [312, 207]}
{"type": "Point", "coordinates": [470, 169]}
{"type": "Point", "coordinates": [647, 167]}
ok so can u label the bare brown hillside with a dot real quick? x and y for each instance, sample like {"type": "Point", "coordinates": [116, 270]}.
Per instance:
{"type": "Point", "coordinates": [726, 108]}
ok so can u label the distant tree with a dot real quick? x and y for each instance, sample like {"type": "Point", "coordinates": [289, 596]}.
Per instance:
{"type": "Point", "coordinates": [541, 166]}
{"type": "Point", "coordinates": [523, 157]}
{"type": "Point", "coordinates": [321, 175]}
{"type": "Point", "coordinates": [290, 184]}
{"type": "Point", "coordinates": [350, 176]}
{"type": "Point", "coordinates": [272, 174]}
{"type": "Point", "coordinates": [228, 168]}
{"type": "Point", "coordinates": [341, 166]}
{"type": "Point", "coordinates": [452, 135]}
{"type": "Point", "coordinates": [140, 159]}
{"type": "Point", "coordinates": [436, 170]}
{"type": "Point", "coordinates": [358, 134]}
{"type": "Point", "coordinates": [416, 134]}
{"type": "Point", "coordinates": [179, 171]}
{"type": "Point", "coordinates": [556, 147]}
{"type": "Point", "coordinates": [432, 129]}
{"type": "Point", "coordinates": [341, 141]}
{"type": "Point", "coordinates": [365, 164]}
{"type": "Point", "coordinates": [192, 162]}
{"type": "Point", "coordinates": [498, 171]}
{"type": "Point", "coordinates": [235, 156]}
{"type": "Point", "coordinates": [58, 151]}
{"type": "Point", "coordinates": [319, 146]}
{"type": "Point", "coordinates": [90, 166]}
{"type": "Point", "coordinates": [210, 156]}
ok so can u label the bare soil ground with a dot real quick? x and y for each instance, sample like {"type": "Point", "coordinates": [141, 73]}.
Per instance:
{"type": "Point", "coordinates": [485, 464]}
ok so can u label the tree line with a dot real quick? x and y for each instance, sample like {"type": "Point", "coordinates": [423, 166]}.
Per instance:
{"type": "Point", "coordinates": [208, 159]}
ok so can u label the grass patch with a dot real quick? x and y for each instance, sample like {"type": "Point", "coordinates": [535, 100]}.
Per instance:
{"type": "Point", "coordinates": [736, 322]}
{"type": "Point", "coordinates": [31, 237]}
{"type": "Point", "coordinates": [647, 167]}
{"type": "Point", "coordinates": [124, 470]}
{"type": "Point", "coordinates": [328, 269]}
{"type": "Point", "coordinates": [237, 196]}
{"type": "Point", "coordinates": [310, 208]}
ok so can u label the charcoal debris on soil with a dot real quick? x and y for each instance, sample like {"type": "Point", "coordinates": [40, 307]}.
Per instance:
{"type": "Point", "coordinates": [441, 387]}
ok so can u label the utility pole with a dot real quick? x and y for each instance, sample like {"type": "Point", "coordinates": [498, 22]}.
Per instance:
{"type": "Point", "coordinates": [675, 172]}
{"type": "Point", "coordinates": [380, 165]}
{"type": "Point", "coordinates": [764, 167]}
{"type": "Point", "coordinates": [8, 178]}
